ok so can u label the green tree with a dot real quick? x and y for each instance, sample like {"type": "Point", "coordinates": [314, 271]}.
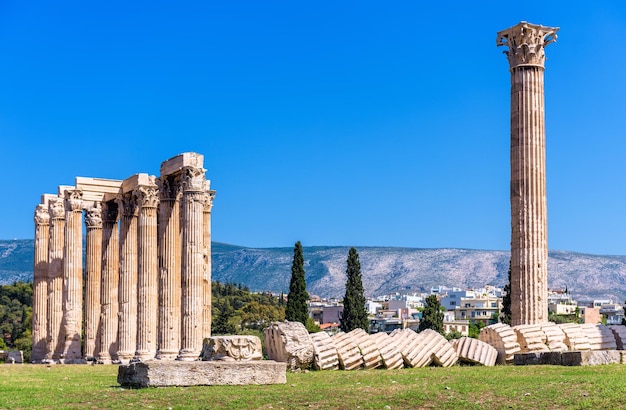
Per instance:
{"type": "Point", "coordinates": [506, 301]}
{"type": "Point", "coordinates": [297, 309]}
{"type": "Point", "coordinates": [432, 316]}
{"type": "Point", "coordinates": [354, 314]}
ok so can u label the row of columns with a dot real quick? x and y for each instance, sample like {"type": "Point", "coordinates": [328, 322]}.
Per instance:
{"type": "Point", "coordinates": [146, 273]}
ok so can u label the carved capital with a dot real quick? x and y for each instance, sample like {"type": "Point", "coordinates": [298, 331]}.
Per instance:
{"type": "Point", "coordinates": [209, 196]}
{"type": "Point", "coordinates": [170, 187]}
{"type": "Point", "coordinates": [74, 200]}
{"type": "Point", "coordinates": [148, 196]}
{"type": "Point", "coordinates": [193, 179]}
{"type": "Point", "coordinates": [109, 212]}
{"type": "Point", "coordinates": [93, 217]}
{"type": "Point", "coordinates": [526, 43]}
{"type": "Point", "coordinates": [56, 207]}
{"type": "Point", "coordinates": [42, 216]}
{"type": "Point", "coordinates": [128, 204]}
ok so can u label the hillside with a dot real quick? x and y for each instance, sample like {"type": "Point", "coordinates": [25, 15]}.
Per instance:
{"type": "Point", "coordinates": [385, 270]}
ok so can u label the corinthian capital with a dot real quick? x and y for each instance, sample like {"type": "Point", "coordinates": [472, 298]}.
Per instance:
{"type": "Point", "coordinates": [526, 43]}
{"type": "Point", "coordinates": [93, 217]}
{"type": "Point", "coordinates": [148, 196]}
{"type": "Point", "coordinates": [42, 216]}
{"type": "Point", "coordinates": [128, 204]}
{"type": "Point", "coordinates": [74, 199]}
{"type": "Point", "coordinates": [193, 179]}
{"type": "Point", "coordinates": [56, 206]}
{"type": "Point", "coordinates": [208, 200]}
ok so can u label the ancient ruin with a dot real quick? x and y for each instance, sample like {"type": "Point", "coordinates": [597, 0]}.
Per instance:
{"type": "Point", "coordinates": [147, 269]}
{"type": "Point", "coordinates": [529, 229]}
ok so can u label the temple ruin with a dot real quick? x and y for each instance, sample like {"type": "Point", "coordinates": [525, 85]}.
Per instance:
{"type": "Point", "coordinates": [146, 274]}
{"type": "Point", "coordinates": [529, 210]}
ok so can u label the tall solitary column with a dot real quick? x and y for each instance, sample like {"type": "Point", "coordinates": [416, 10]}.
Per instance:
{"type": "Point", "coordinates": [40, 284]}
{"type": "Point", "coordinates": [147, 280]}
{"type": "Point", "coordinates": [56, 208]}
{"type": "Point", "coordinates": [93, 280]}
{"type": "Point", "coordinates": [107, 351]}
{"type": "Point", "coordinates": [529, 228]}
{"type": "Point", "coordinates": [192, 263]}
{"type": "Point", "coordinates": [73, 277]}
{"type": "Point", "coordinates": [208, 206]}
{"type": "Point", "coordinates": [169, 267]}
{"type": "Point", "coordinates": [127, 296]}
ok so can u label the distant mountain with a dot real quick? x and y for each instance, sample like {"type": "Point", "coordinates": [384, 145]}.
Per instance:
{"type": "Point", "coordinates": [385, 270]}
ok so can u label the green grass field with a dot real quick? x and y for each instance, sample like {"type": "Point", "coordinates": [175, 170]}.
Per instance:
{"type": "Point", "coordinates": [459, 387]}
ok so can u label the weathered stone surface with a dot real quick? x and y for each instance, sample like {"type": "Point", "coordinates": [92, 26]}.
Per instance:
{"type": "Point", "coordinates": [350, 357]}
{"type": "Point", "coordinates": [12, 356]}
{"type": "Point", "coordinates": [441, 351]}
{"type": "Point", "coordinates": [367, 347]}
{"type": "Point", "coordinates": [600, 337]}
{"type": "Point", "coordinates": [408, 342]}
{"type": "Point", "coordinates": [534, 358]}
{"type": "Point", "coordinates": [590, 357]}
{"type": "Point", "coordinates": [325, 355]}
{"type": "Point", "coordinates": [531, 338]}
{"type": "Point", "coordinates": [289, 342]}
{"type": "Point", "coordinates": [575, 338]}
{"type": "Point", "coordinates": [619, 332]}
{"type": "Point", "coordinates": [156, 373]}
{"type": "Point", "coordinates": [392, 359]}
{"type": "Point", "coordinates": [474, 351]}
{"type": "Point", "coordinates": [503, 338]}
{"type": "Point", "coordinates": [232, 348]}
{"type": "Point", "coordinates": [555, 338]}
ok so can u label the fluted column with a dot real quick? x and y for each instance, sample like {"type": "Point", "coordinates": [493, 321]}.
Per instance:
{"type": "Point", "coordinates": [206, 313]}
{"type": "Point", "coordinates": [107, 352]}
{"type": "Point", "coordinates": [55, 280]}
{"type": "Point", "coordinates": [169, 267]}
{"type": "Point", "coordinates": [529, 227]}
{"type": "Point", "coordinates": [73, 277]}
{"type": "Point", "coordinates": [147, 281]}
{"type": "Point", "coordinates": [193, 263]}
{"type": "Point", "coordinates": [127, 325]}
{"type": "Point", "coordinates": [40, 284]}
{"type": "Point", "coordinates": [93, 280]}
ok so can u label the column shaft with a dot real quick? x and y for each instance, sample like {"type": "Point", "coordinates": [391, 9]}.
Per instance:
{"type": "Point", "coordinates": [107, 352]}
{"type": "Point", "coordinates": [206, 313]}
{"type": "Point", "coordinates": [40, 284]}
{"type": "Point", "coordinates": [127, 325]}
{"type": "Point", "coordinates": [55, 280]}
{"type": "Point", "coordinates": [93, 280]}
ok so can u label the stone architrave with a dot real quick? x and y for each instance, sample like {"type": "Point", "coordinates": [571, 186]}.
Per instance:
{"type": "Point", "coordinates": [56, 209]}
{"type": "Point", "coordinates": [529, 228]}
{"type": "Point", "coordinates": [40, 283]}
{"type": "Point", "coordinates": [147, 286]}
{"type": "Point", "coordinates": [289, 342]}
{"type": "Point", "coordinates": [127, 291]}
{"type": "Point", "coordinates": [107, 352]}
{"type": "Point", "coordinates": [169, 266]}
{"type": "Point", "coordinates": [93, 280]}
{"type": "Point", "coordinates": [206, 224]}
{"type": "Point", "coordinates": [232, 348]}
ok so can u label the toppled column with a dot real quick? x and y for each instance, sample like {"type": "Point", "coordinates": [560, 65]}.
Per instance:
{"type": "Point", "coordinates": [127, 292]}
{"type": "Point", "coordinates": [147, 275]}
{"type": "Point", "coordinates": [40, 283]}
{"type": "Point", "coordinates": [324, 352]}
{"type": "Point", "coordinates": [55, 280]}
{"type": "Point", "coordinates": [529, 227]}
{"type": "Point", "coordinates": [193, 261]}
{"type": "Point", "coordinates": [289, 342]}
{"type": "Point", "coordinates": [474, 351]}
{"type": "Point", "coordinates": [107, 352]}
{"type": "Point", "coordinates": [93, 279]}
{"type": "Point", "coordinates": [503, 338]}
{"type": "Point", "coordinates": [392, 359]}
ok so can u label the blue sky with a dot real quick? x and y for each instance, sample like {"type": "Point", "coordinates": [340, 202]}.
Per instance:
{"type": "Point", "coordinates": [334, 123]}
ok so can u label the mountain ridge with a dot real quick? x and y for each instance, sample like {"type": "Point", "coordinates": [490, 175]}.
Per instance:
{"type": "Point", "coordinates": [385, 269]}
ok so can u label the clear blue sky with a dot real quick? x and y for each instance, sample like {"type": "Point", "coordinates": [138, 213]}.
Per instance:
{"type": "Point", "coordinates": [334, 123]}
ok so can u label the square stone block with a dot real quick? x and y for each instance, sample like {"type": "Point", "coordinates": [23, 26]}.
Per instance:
{"type": "Point", "coordinates": [590, 357]}
{"type": "Point", "coordinates": [186, 159]}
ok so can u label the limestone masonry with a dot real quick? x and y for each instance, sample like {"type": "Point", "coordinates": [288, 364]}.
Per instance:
{"type": "Point", "coordinates": [147, 267]}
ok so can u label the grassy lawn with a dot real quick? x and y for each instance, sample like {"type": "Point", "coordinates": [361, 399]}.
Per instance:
{"type": "Point", "coordinates": [459, 387]}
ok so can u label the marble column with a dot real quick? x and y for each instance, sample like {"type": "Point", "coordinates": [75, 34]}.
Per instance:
{"type": "Point", "coordinates": [169, 267]}
{"type": "Point", "coordinates": [107, 351]}
{"type": "Point", "coordinates": [93, 280]}
{"type": "Point", "coordinates": [40, 284]}
{"type": "Point", "coordinates": [55, 280]}
{"type": "Point", "coordinates": [127, 296]}
{"type": "Point", "coordinates": [206, 312]}
{"type": "Point", "coordinates": [147, 281]}
{"type": "Point", "coordinates": [192, 263]}
{"type": "Point", "coordinates": [529, 228]}
{"type": "Point", "coordinates": [73, 277]}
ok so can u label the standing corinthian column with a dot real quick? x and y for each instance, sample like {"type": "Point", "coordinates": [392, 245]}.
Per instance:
{"type": "Point", "coordinates": [193, 263]}
{"type": "Point", "coordinates": [147, 280]}
{"type": "Point", "coordinates": [107, 349]}
{"type": "Point", "coordinates": [73, 277]}
{"type": "Point", "coordinates": [40, 284]}
{"type": "Point", "coordinates": [55, 280]}
{"type": "Point", "coordinates": [208, 206]}
{"type": "Point", "coordinates": [127, 324]}
{"type": "Point", "coordinates": [529, 227]}
{"type": "Point", "coordinates": [93, 280]}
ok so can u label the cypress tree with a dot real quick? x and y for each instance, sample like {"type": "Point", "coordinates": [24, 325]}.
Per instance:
{"type": "Point", "coordinates": [506, 301]}
{"type": "Point", "coordinates": [297, 309]}
{"type": "Point", "coordinates": [432, 316]}
{"type": "Point", "coordinates": [354, 314]}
